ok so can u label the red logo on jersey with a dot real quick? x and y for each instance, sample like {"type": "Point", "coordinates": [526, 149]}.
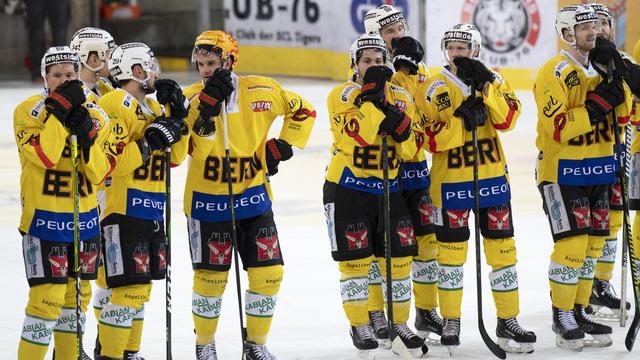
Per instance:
{"type": "Point", "coordinates": [434, 129]}
{"type": "Point", "coordinates": [498, 219]}
{"type": "Point", "coordinates": [220, 249]}
{"type": "Point", "coordinates": [162, 257]}
{"type": "Point", "coordinates": [426, 211]}
{"type": "Point", "coordinates": [458, 218]}
{"type": "Point", "coordinates": [259, 106]}
{"type": "Point", "coordinates": [401, 105]}
{"type": "Point", "coordinates": [58, 261]}
{"type": "Point", "coordinates": [88, 259]}
{"type": "Point", "coordinates": [419, 140]}
{"type": "Point", "coordinates": [357, 236]}
{"type": "Point", "coordinates": [352, 128]}
{"type": "Point", "coordinates": [582, 214]}
{"type": "Point", "coordinates": [267, 243]}
{"type": "Point", "coordinates": [421, 78]}
{"type": "Point", "coordinates": [141, 259]}
{"type": "Point", "coordinates": [405, 233]}
{"type": "Point", "coordinates": [601, 216]}
{"type": "Point", "coordinates": [616, 194]}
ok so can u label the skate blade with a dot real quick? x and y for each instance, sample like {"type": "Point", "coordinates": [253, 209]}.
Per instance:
{"type": "Point", "coordinates": [452, 350]}
{"type": "Point", "coordinates": [384, 343]}
{"type": "Point", "coordinates": [603, 340]}
{"type": "Point", "coordinates": [606, 314]}
{"type": "Point", "coordinates": [367, 354]}
{"type": "Point", "coordinates": [429, 337]}
{"type": "Point", "coordinates": [575, 345]}
{"type": "Point", "coordinates": [400, 349]}
{"type": "Point", "coordinates": [518, 348]}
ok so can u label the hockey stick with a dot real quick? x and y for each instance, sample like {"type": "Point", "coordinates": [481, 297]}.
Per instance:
{"type": "Point", "coordinates": [77, 245]}
{"type": "Point", "coordinates": [167, 249]}
{"type": "Point", "coordinates": [628, 133]}
{"type": "Point", "coordinates": [493, 347]}
{"type": "Point", "coordinates": [234, 237]}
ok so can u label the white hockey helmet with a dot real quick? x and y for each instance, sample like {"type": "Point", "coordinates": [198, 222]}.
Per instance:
{"type": "Point", "coordinates": [468, 33]}
{"type": "Point", "coordinates": [367, 41]}
{"type": "Point", "coordinates": [59, 55]}
{"type": "Point", "coordinates": [90, 39]}
{"type": "Point", "coordinates": [602, 9]}
{"type": "Point", "coordinates": [124, 57]}
{"type": "Point", "coordinates": [571, 16]}
{"type": "Point", "coordinates": [383, 15]}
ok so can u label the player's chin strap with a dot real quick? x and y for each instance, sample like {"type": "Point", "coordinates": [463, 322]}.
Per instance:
{"type": "Point", "coordinates": [96, 69]}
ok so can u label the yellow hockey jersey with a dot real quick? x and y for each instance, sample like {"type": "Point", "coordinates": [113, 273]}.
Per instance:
{"type": "Point", "coordinates": [452, 146]}
{"type": "Point", "coordinates": [356, 160]}
{"type": "Point", "coordinates": [136, 188]}
{"type": "Point", "coordinates": [572, 150]}
{"type": "Point", "coordinates": [98, 90]}
{"type": "Point", "coordinates": [253, 106]}
{"type": "Point", "coordinates": [193, 90]}
{"type": "Point", "coordinates": [45, 181]}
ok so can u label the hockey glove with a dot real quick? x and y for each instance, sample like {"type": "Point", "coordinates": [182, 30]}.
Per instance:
{"type": "Point", "coordinates": [602, 54]}
{"type": "Point", "coordinates": [169, 92]}
{"type": "Point", "coordinates": [64, 98]}
{"type": "Point", "coordinates": [163, 132]}
{"type": "Point", "coordinates": [82, 126]}
{"type": "Point", "coordinates": [204, 126]}
{"type": "Point", "coordinates": [473, 71]}
{"type": "Point", "coordinates": [634, 77]}
{"type": "Point", "coordinates": [407, 52]}
{"type": "Point", "coordinates": [473, 112]}
{"type": "Point", "coordinates": [372, 89]}
{"type": "Point", "coordinates": [603, 99]}
{"type": "Point", "coordinates": [396, 123]}
{"type": "Point", "coordinates": [217, 89]}
{"type": "Point", "coordinates": [277, 150]}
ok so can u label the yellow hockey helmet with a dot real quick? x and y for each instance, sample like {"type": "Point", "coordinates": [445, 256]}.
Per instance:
{"type": "Point", "coordinates": [218, 42]}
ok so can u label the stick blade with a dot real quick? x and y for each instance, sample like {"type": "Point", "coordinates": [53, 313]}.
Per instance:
{"type": "Point", "coordinates": [493, 347]}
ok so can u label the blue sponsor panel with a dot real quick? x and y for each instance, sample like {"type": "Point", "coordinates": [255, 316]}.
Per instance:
{"type": "Point", "coordinates": [414, 175]}
{"type": "Point", "coordinates": [52, 226]}
{"type": "Point", "coordinates": [215, 208]}
{"type": "Point", "coordinates": [372, 185]}
{"type": "Point", "coordinates": [459, 196]}
{"type": "Point", "coordinates": [359, 9]}
{"type": "Point", "coordinates": [591, 171]}
{"type": "Point", "coordinates": [145, 205]}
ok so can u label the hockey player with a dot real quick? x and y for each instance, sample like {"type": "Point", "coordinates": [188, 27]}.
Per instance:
{"type": "Point", "coordinates": [42, 125]}
{"type": "Point", "coordinates": [252, 103]}
{"type": "Point", "coordinates": [453, 110]}
{"type": "Point", "coordinates": [602, 294]}
{"type": "Point", "coordinates": [407, 54]}
{"type": "Point", "coordinates": [575, 168]}
{"type": "Point", "coordinates": [359, 110]}
{"type": "Point", "coordinates": [133, 217]}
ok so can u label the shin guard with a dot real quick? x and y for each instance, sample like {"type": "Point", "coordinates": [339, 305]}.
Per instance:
{"type": "Point", "coordinates": [354, 289]}
{"type": "Point", "coordinates": [451, 258]}
{"type": "Point", "coordinates": [206, 301]}
{"type": "Point", "coordinates": [501, 256]}
{"type": "Point", "coordinates": [401, 287]}
{"type": "Point", "coordinates": [42, 312]}
{"type": "Point", "coordinates": [376, 299]}
{"type": "Point", "coordinates": [260, 301]}
{"type": "Point", "coordinates": [425, 273]}
{"type": "Point", "coordinates": [588, 269]}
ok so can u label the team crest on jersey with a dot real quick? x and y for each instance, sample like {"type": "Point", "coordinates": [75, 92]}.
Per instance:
{"type": "Point", "coordinates": [141, 259]}
{"type": "Point", "coordinates": [443, 101]}
{"type": "Point", "coordinates": [616, 195]}
{"type": "Point", "coordinates": [267, 243]}
{"type": "Point", "coordinates": [499, 218]}
{"type": "Point", "coordinates": [572, 80]}
{"type": "Point", "coordinates": [425, 208]}
{"type": "Point", "coordinates": [402, 105]}
{"type": "Point", "coordinates": [352, 128]}
{"type": "Point", "coordinates": [581, 212]}
{"type": "Point", "coordinates": [219, 249]}
{"type": "Point", "coordinates": [419, 139]}
{"type": "Point", "coordinates": [601, 216]}
{"type": "Point", "coordinates": [58, 261]}
{"type": "Point", "coordinates": [357, 236]}
{"type": "Point", "coordinates": [89, 259]}
{"type": "Point", "coordinates": [260, 106]}
{"type": "Point", "coordinates": [458, 218]}
{"type": "Point", "coordinates": [405, 233]}
{"type": "Point", "coordinates": [422, 78]}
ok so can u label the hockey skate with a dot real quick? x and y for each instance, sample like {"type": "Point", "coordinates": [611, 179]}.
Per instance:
{"type": "Point", "coordinates": [378, 323]}
{"type": "Point", "coordinates": [450, 334]}
{"type": "Point", "coordinates": [600, 334]}
{"type": "Point", "coordinates": [407, 344]}
{"type": "Point", "coordinates": [253, 351]}
{"type": "Point", "coordinates": [206, 352]}
{"type": "Point", "coordinates": [132, 355]}
{"type": "Point", "coordinates": [508, 330]}
{"type": "Point", "coordinates": [568, 334]}
{"type": "Point", "coordinates": [364, 340]}
{"type": "Point", "coordinates": [428, 322]}
{"type": "Point", "coordinates": [603, 303]}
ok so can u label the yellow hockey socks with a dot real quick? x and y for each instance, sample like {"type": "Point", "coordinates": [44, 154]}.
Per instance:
{"type": "Point", "coordinates": [424, 273]}
{"type": "Point", "coordinates": [260, 301]}
{"type": "Point", "coordinates": [400, 285]}
{"type": "Point", "coordinates": [206, 301]}
{"type": "Point", "coordinates": [451, 258]}
{"type": "Point", "coordinates": [588, 270]}
{"type": "Point", "coordinates": [355, 290]}
{"type": "Point", "coordinates": [501, 256]}
{"type": "Point", "coordinates": [567, 259]}
{"type": "Point", "coordinates": [43, 309]}
{"type": "Point", "coordinates": [376, 301]}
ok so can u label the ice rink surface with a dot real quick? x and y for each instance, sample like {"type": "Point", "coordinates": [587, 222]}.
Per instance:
{"type": "Point", "coordinates": [309, 322]}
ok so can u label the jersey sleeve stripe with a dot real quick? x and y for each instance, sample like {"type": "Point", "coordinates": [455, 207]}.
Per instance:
{"type": "Point", "coordinates": [35, 142]}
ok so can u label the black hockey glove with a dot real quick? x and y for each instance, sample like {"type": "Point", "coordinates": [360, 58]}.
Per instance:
{"type": "Point", "coordinates": [473, 112]}
{"type": "Point", "coordinates": [217, 89]}
{"type": "Point", "coordinates": [407, 52]}
{"type": "Point", "coordinates": [277, 150]}
{"type": "Point", "coordinates": [602, 54]}
{"type": "Point", "coordinates": [169, 92]}
{"type": "Point", "coordinates": [395, 123]}
{"type": "Point", "coordinates": [64, 98]}
{"type": "Point", "coordinates": [634, 78]}
{"type": "Point", "coordinates": [603, 99]}
{"type": "Point", "coordinates": [372, 89]}
{"type": "Point", "coordinates": [82, 126]}
{"type": "Point", "coordinates": [204, 126]}
{"type": "Point", "coordinates": [473, 71]}
{"type": "Point", "coordinates": [163, 132]}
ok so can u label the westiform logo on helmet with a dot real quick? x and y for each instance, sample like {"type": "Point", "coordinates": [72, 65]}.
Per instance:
{"type": "Point", "coordinates": [585, 17]}
{"type": "Point", "coordinates": [457, 35]}
{"type": "Point", "coordinates": [60, 58]}
{"type": "Point", "coordinates": [132, 45]}
{"type": "Point", "coordinates": [390, 19]}
{"type": "Point", "coordinates": [90, 36]}
{"type": "Point", "coordinates": [370, 42]}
